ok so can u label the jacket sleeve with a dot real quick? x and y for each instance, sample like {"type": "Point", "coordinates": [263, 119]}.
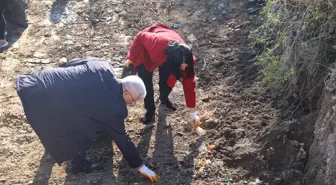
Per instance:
{"type": "Point", "coordinates": [124, 143]}
{"type": "Point", "coordinates": [171, 81]}
{"type": "Point", "coordinates": [189, 87]}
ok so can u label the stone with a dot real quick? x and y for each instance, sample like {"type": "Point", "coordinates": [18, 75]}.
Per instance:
{"type": "Point", "coordinates": [118, 10]}
{"type": "Point", "coordinates": [63, 60]}
{"type": "Point", "coordinates": [123, 13]}
{"type": "Point", "coordinates": [191, 38]}
{"type": "Point", "coordinates": [228, 50]}
{"type": "Point", "coordinates": [39, 55]}
{"type": "Point", "coordinates": [206, 99]}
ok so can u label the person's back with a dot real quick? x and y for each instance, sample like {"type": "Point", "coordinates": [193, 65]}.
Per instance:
{"type": "Point", "coordinates": [69, 79]}
{"type": "Point", "coordinates": [90, 83]}
{"type": "Point", "coordinates": [81, 98]}
{"type": "Point", "coordinates": [155, 40]}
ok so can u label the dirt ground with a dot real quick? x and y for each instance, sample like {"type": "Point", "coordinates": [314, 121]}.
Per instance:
{"type": "Point", "coordinates": [253, 138]}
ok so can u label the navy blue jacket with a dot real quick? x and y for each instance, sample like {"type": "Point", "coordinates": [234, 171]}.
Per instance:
{"type": "Point", "coordinates": [70, 107]}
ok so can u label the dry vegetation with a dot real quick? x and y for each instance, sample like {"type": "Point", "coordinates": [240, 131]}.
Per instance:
{"type": "Point", "coordinates": [296, 47]}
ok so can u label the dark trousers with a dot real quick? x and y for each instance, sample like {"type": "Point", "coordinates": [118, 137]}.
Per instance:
{"type": "Point", "coordinates": [147, 78]}
{"type": "Point", "coordinates": [79, 162]}
{"type": "Point", "coordinates": [2, 19]}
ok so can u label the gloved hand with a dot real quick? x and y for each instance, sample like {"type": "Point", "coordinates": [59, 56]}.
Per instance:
{"type": "Point", "coordinates": [128, 69]}
{"type": "Point", "coordinates": [146, 172]}
{"type": "Point", "coordinates": [195, 119]}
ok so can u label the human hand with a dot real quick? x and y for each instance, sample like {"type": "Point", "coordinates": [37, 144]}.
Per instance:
{"type": "Point", "coordinates": [128, 63]}
{"type": "Point", "coordinates": [148, 173]}
{"type": "Point", "coordinates": [128, 69]}
{"type": "Point", "coordinates": [195, 119]}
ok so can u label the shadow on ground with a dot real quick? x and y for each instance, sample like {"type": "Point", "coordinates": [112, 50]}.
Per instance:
{"type": "Point", "coordinates": [170, 169]}
{"type": "Point", "coordinates": [101, 151]}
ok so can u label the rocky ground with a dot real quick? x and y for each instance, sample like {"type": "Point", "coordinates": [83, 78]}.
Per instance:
{"type": "Point", "coordinates": [252, 133]}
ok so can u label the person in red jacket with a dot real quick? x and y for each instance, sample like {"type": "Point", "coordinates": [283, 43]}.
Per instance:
{"type": "Point", "coordinates": [161, 47]}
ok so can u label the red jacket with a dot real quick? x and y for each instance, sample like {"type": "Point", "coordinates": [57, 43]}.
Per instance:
{"type": "Point", "coordinates": [149, 47]}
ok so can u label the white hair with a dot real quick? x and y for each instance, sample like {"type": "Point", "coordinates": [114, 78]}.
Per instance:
{"type": "Point", "coordinates": [134, 85]}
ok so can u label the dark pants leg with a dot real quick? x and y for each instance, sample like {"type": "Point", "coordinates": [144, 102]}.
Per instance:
{"type": "Point", "coordinates": [165, 90]}
{"type": "Point", "coordinates": [2, 19]}
{"type": "Point", "coordinates": [147, 78]}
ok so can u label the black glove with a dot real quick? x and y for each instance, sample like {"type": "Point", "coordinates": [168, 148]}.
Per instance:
{"type": "Point", "coordinates": [128, 69]}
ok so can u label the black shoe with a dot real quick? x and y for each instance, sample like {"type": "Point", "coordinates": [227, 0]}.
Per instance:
{"type": "Point", "coordinates": [148, 119]}
{"type": "Point", "coordinates": [169, 105]}
{"type": "Point", "coordinates": [87, 167]}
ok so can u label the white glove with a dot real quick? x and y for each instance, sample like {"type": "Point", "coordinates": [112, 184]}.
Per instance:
{"type": "Point", "coordinates": [146, 172]}
{"type": "Point", "coordinates": [195, 119]}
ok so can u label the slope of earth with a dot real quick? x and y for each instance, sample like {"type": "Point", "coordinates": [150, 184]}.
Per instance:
{"type": "Point", "coordinates": [234, 110]}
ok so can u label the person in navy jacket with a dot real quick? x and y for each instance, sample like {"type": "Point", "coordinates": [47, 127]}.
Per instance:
{"type": "Point", "coordinates": [70, 107]}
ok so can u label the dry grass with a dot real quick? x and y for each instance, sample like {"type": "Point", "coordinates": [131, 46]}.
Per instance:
{"type": "Point", "coordinates": [295, 46]}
